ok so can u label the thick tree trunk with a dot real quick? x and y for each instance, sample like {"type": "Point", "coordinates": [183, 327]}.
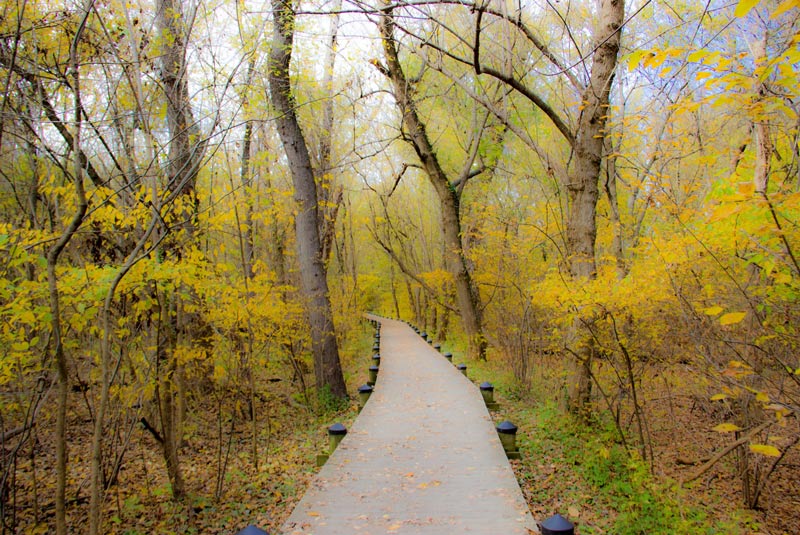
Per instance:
{"type": "Point", "coordinates": [583, 186]}
{"type": "Point", "coordinates": [763, 140]}
{"type": "Point", "coordinates": [455, 262]}
{"type": "Point", "coordinates": [589, 139]}
{"type": "Point", "coordinates": [327, 368]}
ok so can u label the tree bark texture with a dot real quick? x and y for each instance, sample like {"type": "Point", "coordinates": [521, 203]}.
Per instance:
{"type": "Point", "coordinates": [327, 367]}
{"type": "Point", "coordinates": [584, 186]}
{"type": "Point", "coordinates": [185, 152]}
{"type": "Point", "coordinates": [589, 139]}
{"type": "Point", "coordinates": [455, 262]}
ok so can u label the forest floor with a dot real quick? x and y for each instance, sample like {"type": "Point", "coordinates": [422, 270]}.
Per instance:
{"type": "Point", "coordinates": [226, 490]}
{"type": "Point", "coordinates": [582, 473]}
{"type": "Point", "coordinates": [585, 474]}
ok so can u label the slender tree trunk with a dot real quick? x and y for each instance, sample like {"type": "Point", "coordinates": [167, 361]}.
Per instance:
{"type": "Point", "coordinates": [394, 291]}
{"type": "Point", "coordinates": [97, 486]}
{"type": "Point", "coordinates": [455, 261]}
{"type": "Point", "coordinates": [185, 154]}
{"type": "Point", "coordinates": [329, 193]}
{"type": "Point", "coordinates": [59, 356]}
{"type": "Point", "coordinates": [247, 179]}
{"type": "Point", "coordinates": [166, 397]}
{"type": "Point", "coordinates": [327, 368]}
{"type": "Point", "coordinates": [583, 186]}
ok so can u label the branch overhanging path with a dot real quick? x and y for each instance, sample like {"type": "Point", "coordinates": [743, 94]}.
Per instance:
{"type": "Point", "coordinates": [423, 456]}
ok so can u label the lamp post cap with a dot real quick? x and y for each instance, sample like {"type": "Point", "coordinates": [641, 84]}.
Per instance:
{"type": "Point", "coordinates": [557, 524]}
{"type": "Point", "coordinates": [337, 429]}
{"type": "Point", "coordinates": [252, 530]}
{"type": "Point", "coordinates": [507, 428]}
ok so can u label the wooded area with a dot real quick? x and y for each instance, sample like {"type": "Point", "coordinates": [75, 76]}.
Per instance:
{"type": "Point", "coordinates": [598, 202]}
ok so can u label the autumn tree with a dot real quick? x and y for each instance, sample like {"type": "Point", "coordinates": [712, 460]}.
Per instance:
{"type": "Point", "coordinates": [448, 190]}
{"type": "Point", "coordinates": [327, 367]}
{"type": "Point", "coordinates": [582, 128]}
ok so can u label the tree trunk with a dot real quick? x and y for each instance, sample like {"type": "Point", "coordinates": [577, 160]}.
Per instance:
{"type": "Point", "coordinates": [455, 262]}
{"type": "Point", "coordinates": [59, 356]}
{"type": "Point", "coordinates": [583, 186]}
{"type": "Point", "coordinates": [247, 179]}
{"type": "Point", "coordinates": [327, 368]}
{"type": "Point", "coordinates": [185, 155]}
{"type": "Point", "coordinates": [166, 396]}
{"type": "Point", "coordinates": [329, 193]}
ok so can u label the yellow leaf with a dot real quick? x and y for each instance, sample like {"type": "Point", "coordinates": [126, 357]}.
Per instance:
{"type": "Point", "coordinates": [712, 311]}
{"type": "Point", "coordinates": [765, 449]}
{"type": "Point", "coordinates": [696, 56]}
{"type": "Point", "coordinates": [313, 513]}
{"type": "Point", "coordinates": [780, 410]}
{"type": "Point", "coordinates": [784, 7]}
{"type": "Point", "coordinates": [762, 397]}
{"type": "Point", "coordinates": [744, 7]}
{"type": "Point", "coordinates": [747, 189]}
{"type": "Point", "coordinates": [732, 317]}
{"type": "Point", "coordinates": [726, 428]}
{"type": "Point", "coordinates": [634, 59]}
{"type": "Point", "coordinates": [724, 211]}
{"type": "Point", "coordinates": [719, 397]}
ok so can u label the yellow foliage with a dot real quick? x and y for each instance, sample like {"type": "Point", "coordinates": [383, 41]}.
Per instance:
{"type": "Point", "coordinates": [765, 449]}
{"type": "Point", "coordinates": [726, 428]}
{"type": "Point", "coordinates": [744, 7]}
{"type": "Point", "coordinates": [732, 318]}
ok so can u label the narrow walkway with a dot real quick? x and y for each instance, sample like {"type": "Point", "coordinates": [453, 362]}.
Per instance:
{"type": "Point", "coordinates": [423, 457]}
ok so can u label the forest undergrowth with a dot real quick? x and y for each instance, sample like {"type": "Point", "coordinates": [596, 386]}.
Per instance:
{"type": "Point", "coordinates": [583, 471]}
{"type": "Point", "coordinates": [227, 490]}
{"type": "Point", "coordinates": [579, 469]}
{"type": "Point", "coordinates": [217, 502]}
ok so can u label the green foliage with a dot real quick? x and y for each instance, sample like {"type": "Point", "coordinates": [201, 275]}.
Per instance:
{"type": "Point", "coordinates": [329, 404]}
{"type": "Point", "coordinates": [611, 479]}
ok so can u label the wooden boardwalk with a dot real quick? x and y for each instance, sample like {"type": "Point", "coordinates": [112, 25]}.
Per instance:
{"type": "Point", "coordinates": [423, 457]}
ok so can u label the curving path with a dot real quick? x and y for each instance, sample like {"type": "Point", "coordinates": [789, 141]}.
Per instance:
{"type": "Point", "coordinates": [423, 457]}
